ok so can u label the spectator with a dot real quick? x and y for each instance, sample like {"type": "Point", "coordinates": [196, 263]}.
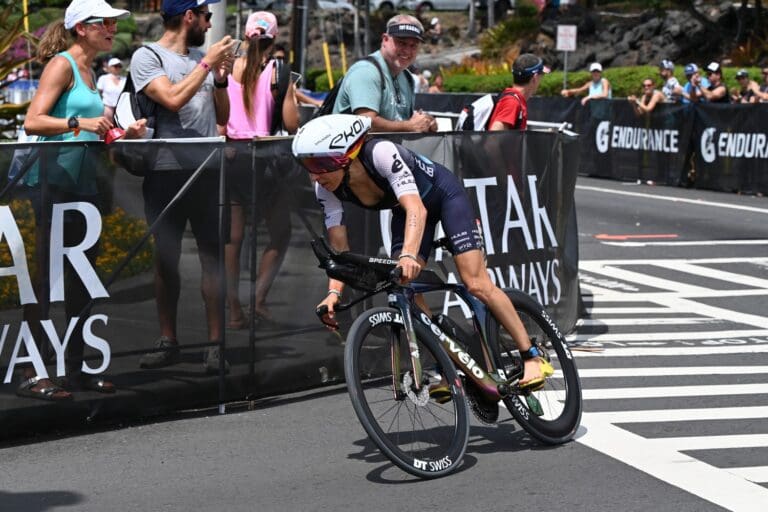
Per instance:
{"type": "Point", "coordinates": [764, 86]}
{"type": "Point", "coordinates": [389, 105]}
{"type": "Point", "coordinates": [278, 53]}
{"type": "Point", "coordinates": [671, 89]}
{"type": "Point", "coordinates": [437, 85]}
{"type": "Point", "coordinates": [511, 111]}
{"type": "Point", "coordinates": [110, 85]}
{"type": "Point", "coordinates": [435, 31]}
{"type": "Point", "coordinates": [66, 107]}
{"type": "Point", "coordinates": [422, 81]}
{"type": "Point", "coordinates": [648, 99]}
{"type": "Point", "coordinates": [597, 88]}
{"type": "Point", "coordinates": [748, 91]}
{"type": "Point", "coordinates": [716, 92]}
{"type": "Point", "coordinates": [190, 89]}
{"type": "Point", "coordinates": [253, 100]}
{"type": "Point", "coordinates": [689, 92]}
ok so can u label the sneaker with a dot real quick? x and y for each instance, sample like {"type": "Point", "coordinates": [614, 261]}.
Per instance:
{"type": "Point", "coordinates": [168, 356]}
{"type": "Point", "coordinates": [211, 361]}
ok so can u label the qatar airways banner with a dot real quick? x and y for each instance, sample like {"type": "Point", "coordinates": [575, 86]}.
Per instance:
{"type": "Point", "coordinates": [731, 145]}
{"type": "Point", "coordinates": [79, 301]}
{"type": "Point", "coordinates": [621, 144]}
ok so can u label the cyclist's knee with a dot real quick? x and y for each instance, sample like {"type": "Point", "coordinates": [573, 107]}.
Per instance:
{"type": "Point", "coordinates": [481, 287]}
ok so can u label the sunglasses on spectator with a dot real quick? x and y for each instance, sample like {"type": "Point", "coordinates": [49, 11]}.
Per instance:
{"type": "Point", "coordinates": [104, 22]}
{"type": "Point", "coordinates": [208, 14]}
{"type": "Point", "coordinates": [647, 85]}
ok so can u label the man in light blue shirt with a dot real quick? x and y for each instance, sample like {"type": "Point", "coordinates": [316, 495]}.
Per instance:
{"type": "Point", "coordinates": [693, 75]}
{"type": "Point", "coordinates": [388, 104]}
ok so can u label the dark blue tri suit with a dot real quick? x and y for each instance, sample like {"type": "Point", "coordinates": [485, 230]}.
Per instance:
{"type": "Point", "coordinates": [398, 171]}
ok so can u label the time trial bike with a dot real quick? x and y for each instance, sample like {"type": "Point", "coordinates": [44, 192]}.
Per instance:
{"type": "Point", "coordinates": [413, 377]}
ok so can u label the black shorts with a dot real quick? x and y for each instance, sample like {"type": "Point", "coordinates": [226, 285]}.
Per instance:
{"type": "Point", "coordinates": [446, 202]}
{"type": "Point", "coordinates": [199, 205]}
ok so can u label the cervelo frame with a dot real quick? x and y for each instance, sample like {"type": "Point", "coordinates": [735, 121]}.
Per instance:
{"type": "Point", "coordinates": [495, 386]}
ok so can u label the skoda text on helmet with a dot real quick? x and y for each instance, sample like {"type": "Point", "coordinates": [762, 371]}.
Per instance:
{"type": "Point", "coordinates": [330, 143]}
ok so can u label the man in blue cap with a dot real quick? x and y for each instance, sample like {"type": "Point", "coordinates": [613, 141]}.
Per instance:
{"type": "Point", "coordinates": [694, 76]}
{"type": "Point", "coordinates": [190, 90]}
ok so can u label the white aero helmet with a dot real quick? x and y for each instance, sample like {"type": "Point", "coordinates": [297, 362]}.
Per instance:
{"type": "Point", "coordinates": [331, 142]}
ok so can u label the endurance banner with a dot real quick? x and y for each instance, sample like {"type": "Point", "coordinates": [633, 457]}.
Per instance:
{"type": "Point", "coordinates": [79, 302]}
{"type": "Point", "coordinates": [731, 147]}
{"type": "Point", "coordinates": [620, 144]}
{"type": "Point", "coordinates": [720, 147]}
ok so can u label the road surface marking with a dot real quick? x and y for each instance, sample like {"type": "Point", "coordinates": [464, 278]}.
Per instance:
{"type": "Point", "coordinates": [697, 202]}
{"type": "Point", "coordinates": [648, 321]}
{"type": "Point", "coordinates": [675, 391]}
{"type": "Point", "coordinates": [698, 350]}
{"type": "Point", "coordinates": [670, 466]}
{"type": "Point", "coordinates": [672, 371]}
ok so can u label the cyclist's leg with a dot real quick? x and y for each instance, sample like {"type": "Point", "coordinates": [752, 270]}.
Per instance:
{"type": "Point", "coordinates": [398, 236]}
{"type": "Point", "coordinates": [459, 225]}
{"type": "Point", "coordinates": [473, 273]}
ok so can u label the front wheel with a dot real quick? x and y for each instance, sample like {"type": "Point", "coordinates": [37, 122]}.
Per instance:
{"type": "Point", "coordinates": [423, 435]}
{"type": "Point", "coordinates": [553, 413]}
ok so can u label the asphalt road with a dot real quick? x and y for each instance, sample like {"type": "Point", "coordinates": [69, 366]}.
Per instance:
{"type": "Point", "coordinates": [676, 285]}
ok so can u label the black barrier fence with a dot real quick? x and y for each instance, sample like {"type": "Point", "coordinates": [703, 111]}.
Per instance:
{"type": "Point", "coordinates": [77, 264]}
{"type": "Point", "coordinates": [720, 147]}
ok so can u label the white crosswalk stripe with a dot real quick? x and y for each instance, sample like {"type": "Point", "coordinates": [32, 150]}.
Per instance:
{"type": "Point", "coordinates": [635, 316]}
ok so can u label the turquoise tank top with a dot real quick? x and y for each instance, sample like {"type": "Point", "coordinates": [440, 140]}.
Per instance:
{"type": "Point", "coordinates": [65, 164]}
{"type": "Point", "coordinates": [597, 88]}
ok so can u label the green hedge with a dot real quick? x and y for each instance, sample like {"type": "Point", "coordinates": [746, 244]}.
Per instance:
{"type": "Point", "coordinates": [624, 81]}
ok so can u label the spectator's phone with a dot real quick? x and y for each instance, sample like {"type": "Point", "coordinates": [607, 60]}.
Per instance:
{"type": "Point", "coordinates": [236, 49]}
{"type": "Point", "coordinates": [296, 78]}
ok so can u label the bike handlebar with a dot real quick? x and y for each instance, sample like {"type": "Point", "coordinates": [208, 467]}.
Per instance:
{"type": "Point", "coordinates": [395, 277]}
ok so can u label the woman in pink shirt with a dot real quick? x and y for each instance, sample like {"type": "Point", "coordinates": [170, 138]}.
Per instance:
{"type": "Point", "coordinates": [253, 96]}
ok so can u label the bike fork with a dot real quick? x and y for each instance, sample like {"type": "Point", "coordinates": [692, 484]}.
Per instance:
{"type": "Point", "coordinates": [400, 302]}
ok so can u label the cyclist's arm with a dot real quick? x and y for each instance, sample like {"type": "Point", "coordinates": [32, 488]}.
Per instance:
{"type": "Point", "coordinates": [337, 237]}
{"type": "Point", "coordinates": [389, 163]}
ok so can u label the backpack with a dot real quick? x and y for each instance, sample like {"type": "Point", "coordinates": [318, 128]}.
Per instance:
{"type": "Point", "coordinates": [477, 115]}
{"type": "Point", "coordinates": [132, 106]}
{"type": "Point", "coordinates": [330, 100]}
{"type": "Point", "coordinates": [281, 86]}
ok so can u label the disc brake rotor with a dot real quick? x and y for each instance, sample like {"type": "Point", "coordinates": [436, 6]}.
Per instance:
{"type": "Point", "coordinates": [422, 398]}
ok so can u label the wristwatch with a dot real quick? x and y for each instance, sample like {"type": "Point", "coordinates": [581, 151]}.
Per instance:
{"type": "Point", "coordinates": [74, 124]}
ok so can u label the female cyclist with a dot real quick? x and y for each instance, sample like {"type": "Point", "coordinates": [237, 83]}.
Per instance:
{"type": "Point", "coordinates": [347, 166]}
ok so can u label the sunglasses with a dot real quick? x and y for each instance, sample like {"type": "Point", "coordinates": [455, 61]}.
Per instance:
{"type": "Point", "coordinates": [647, 85]}
{"type": "Point", "coordinates": [208, 14]}
{"type": "Point", "coordinates": [104, 22]}
{"type": "Point", "coordinates": [324, 164]}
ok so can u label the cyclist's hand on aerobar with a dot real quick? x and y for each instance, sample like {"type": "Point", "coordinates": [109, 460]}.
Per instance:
{"type": "Point", "coordinates": [326, 307]}
{"type": "Point", "coordinates": [411, 269]}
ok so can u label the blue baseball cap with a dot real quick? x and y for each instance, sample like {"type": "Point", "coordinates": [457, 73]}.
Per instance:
{"type": "Point", "coordinates": [691, 69]}
{"type": "Point", "coordinates": [174, 7]}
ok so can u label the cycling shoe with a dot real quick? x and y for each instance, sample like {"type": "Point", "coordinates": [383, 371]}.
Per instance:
{"type": "Point", "coordinates": [536, 384]}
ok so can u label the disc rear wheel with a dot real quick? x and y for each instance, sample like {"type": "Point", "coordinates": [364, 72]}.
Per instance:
{"type": "Point", "coordinates": [553, 413]}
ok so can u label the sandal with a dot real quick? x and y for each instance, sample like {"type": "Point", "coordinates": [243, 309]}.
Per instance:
{"type": "Point", "coordinates": [243, 323]}
{"type": "Point", "coordinates": [95, 383]}
{"type": "Point", "coordinates": [86, 383]}
{"type": "Point", "coordinates": [52, 393]}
